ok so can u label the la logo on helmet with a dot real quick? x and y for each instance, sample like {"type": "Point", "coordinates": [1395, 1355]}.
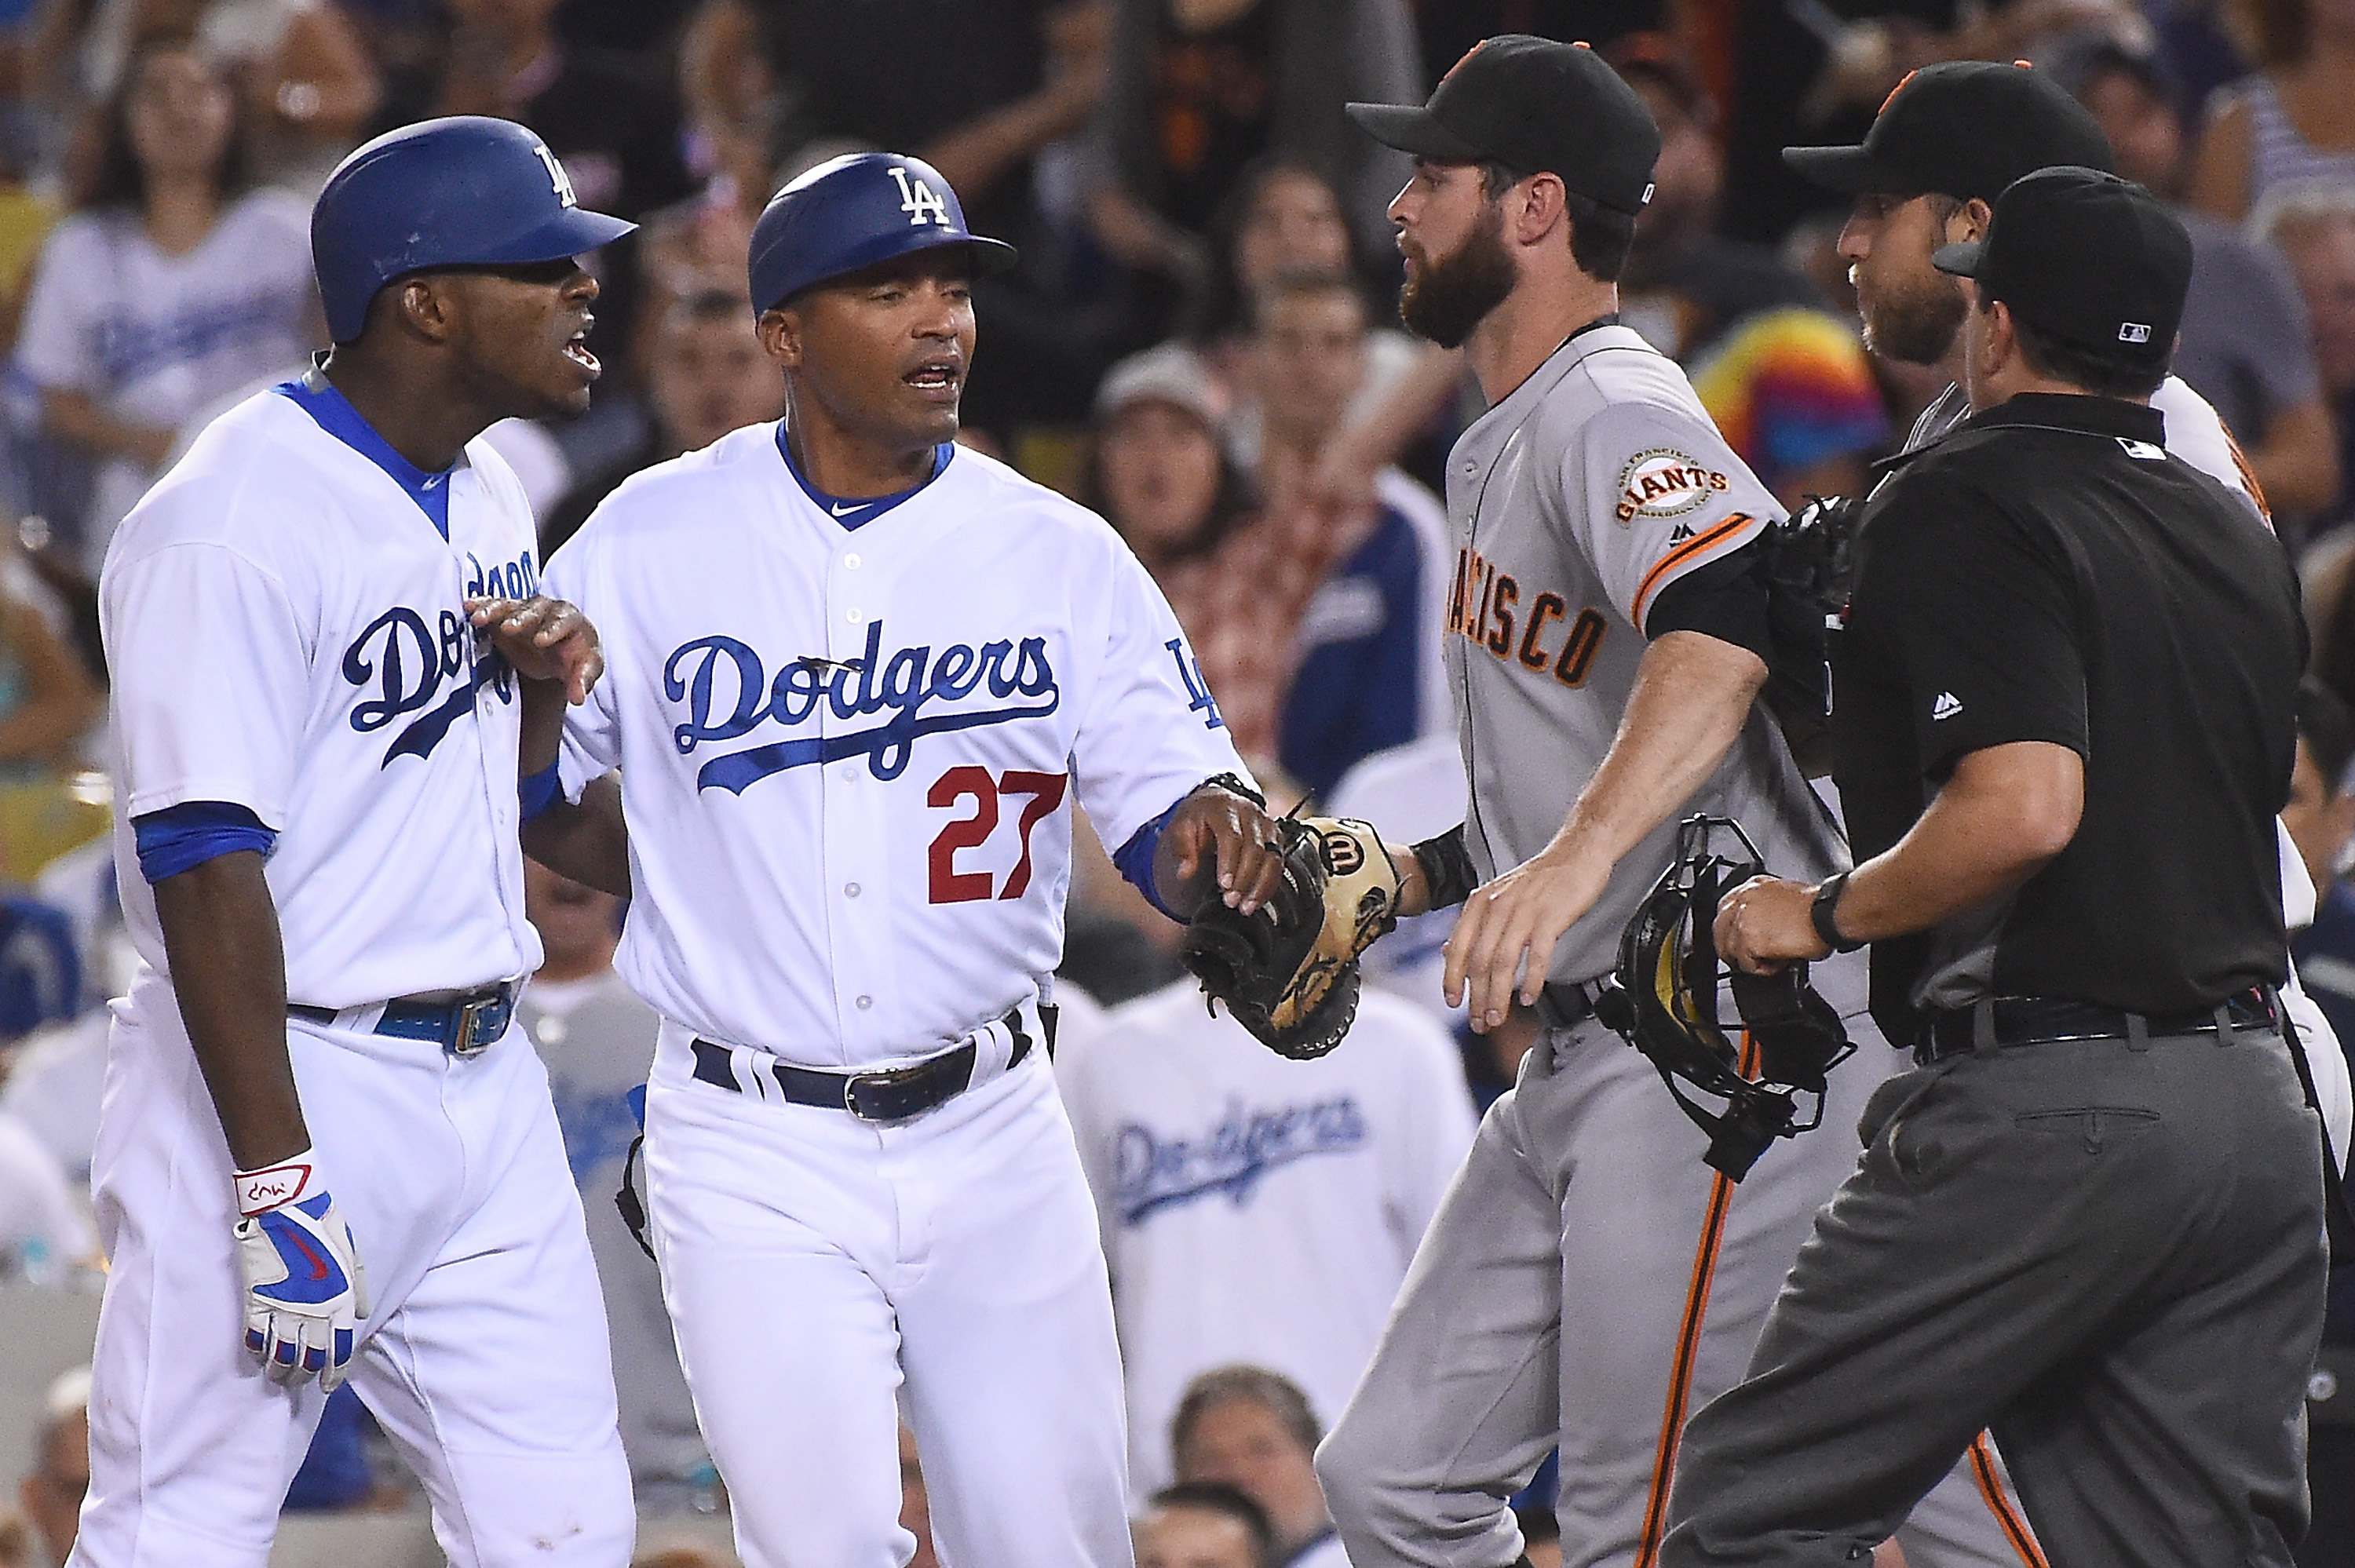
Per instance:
{"type": "Point", "coordinates": [558, 181]}
{"type": "Point", "coordinates": [919, 200]}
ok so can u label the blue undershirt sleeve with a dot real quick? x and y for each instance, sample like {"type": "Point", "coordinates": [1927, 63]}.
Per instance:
{"type": "Point", "coordinates": [540, 791]}
{"type": "Point", "coordinates": [1134, 860]}
{"type": "Point", "coordinates": [182, 837]}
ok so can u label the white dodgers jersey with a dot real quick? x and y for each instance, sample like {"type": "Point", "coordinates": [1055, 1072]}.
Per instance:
{"type": "Point", "coordinates": [287, 632]}
{"type": "Point", "coordinates": [850, 756]}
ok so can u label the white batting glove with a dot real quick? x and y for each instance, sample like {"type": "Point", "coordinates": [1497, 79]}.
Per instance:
{"type": "Point", "coordinates": [306, 1292]}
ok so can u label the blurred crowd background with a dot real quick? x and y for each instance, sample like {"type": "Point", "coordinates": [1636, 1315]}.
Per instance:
{"type": "Point", "coordinates": [1200, 342]}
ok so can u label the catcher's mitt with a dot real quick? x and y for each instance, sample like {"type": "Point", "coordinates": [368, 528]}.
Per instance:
{"type": "Point", "coordinates": [1288, 970]}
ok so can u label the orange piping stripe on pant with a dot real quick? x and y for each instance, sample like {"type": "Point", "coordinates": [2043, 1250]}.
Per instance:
{"type": "Point", "coordinates": [1672, 1418]}
{"type": "Point", "coordinates": [2023, 1540]}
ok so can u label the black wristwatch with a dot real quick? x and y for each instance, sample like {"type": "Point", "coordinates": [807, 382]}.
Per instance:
{"type": "Point", "coordinates": [1824, 914]}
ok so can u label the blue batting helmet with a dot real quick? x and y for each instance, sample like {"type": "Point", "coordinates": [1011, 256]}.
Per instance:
{"type": "Point", "coordinates": [459, 191]}
{"type": "Point", "coordinates": [852, 212]}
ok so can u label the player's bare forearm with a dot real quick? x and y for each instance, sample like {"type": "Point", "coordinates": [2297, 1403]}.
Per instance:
{"type": "Point", "coordinates": [544, 702]}
{"type": "Point", "coordinates": [229, 971]}
{"type": "Point", "coordinates": [589, 841]}
{"type": "Point", "coordinates": [1217, 841]}
{"type": "Point", "coordinates": [1692, 694]}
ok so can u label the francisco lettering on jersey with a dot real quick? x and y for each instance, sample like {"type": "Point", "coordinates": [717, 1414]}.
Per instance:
{"type": "Point", "coordinates": [1484, 605]}
{"type": "Point", "coordinates": [728, 693]}
{"type": "Point", "coordinates": [1151, 1173]}
{"type": "Point", "coordinates": [403, 661]}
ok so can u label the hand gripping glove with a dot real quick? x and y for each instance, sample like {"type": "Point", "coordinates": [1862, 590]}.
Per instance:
{"type": "Point", "coordinates": [306, 1292]}
{"type": "Point", "coordinates": [1288, 970]}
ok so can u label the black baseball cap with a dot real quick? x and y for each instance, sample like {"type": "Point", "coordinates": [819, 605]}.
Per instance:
{"type": "Point", "coordinates": [2087, 258]}
{"type": "Point", "coordinates": [1539, 106]}
{"type": "Point", "coordinates": [1964, 129]}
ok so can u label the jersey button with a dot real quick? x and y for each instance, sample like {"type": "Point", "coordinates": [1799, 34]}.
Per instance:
{"type": "Point", "coordinates": [850, 891]}
{"type": "Point", "coordinates": [852, 561]}
{"type": "Point", "coordinates": [854, 615]}
{"type": "Point", "coordinates": [866, 1002]}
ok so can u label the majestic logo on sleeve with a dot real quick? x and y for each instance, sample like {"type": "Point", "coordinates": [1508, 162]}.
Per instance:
{"type": "Point", "coordinates": [1665, 482]}
{"type": "Point", "coordinates": [728, 693]}
{"type": "Point", "coordinates": [405, 662]}
{"type": "Point", "coordinates": [1151, 1171]}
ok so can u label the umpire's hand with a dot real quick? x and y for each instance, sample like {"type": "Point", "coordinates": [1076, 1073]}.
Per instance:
{"type": "Point", "coordinates": [545, 639]}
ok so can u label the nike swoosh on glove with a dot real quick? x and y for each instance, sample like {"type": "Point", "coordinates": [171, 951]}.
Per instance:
{"type": "Point", "coordinates": [306, 1290]}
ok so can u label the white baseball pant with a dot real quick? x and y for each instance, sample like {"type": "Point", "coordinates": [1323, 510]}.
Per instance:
{"type": "Point", "coordinates": [484, 1359]}
{"type": "Point", "coordinates": [812, 1261]}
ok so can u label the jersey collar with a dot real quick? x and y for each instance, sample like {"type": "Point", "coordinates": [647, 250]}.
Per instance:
{"type": "Point", "coordinates": [853, 512]}
{"type": "Point", "coordinates": [317, 396]}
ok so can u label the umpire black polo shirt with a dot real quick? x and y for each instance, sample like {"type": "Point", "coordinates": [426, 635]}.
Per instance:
{"type": "Point", "coordinates": [2049, 573]}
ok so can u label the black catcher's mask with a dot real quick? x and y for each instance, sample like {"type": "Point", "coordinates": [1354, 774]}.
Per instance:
{"type": "Point", "coordinates": [1663, 1000]}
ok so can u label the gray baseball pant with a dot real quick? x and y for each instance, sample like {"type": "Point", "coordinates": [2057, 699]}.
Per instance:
{"type": "Point", "coordinates": [2109, 1252]}
{"type": "Point", "coordinates": [1588, 1282]}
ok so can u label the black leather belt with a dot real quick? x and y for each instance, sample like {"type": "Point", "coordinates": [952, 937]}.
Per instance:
{"type": "Point", "coordinates": [463, 1026]}
{"type": "Point", "coordinates": [893, 1096]}
{"type": "Point", "coordinates": [2042, 1021]}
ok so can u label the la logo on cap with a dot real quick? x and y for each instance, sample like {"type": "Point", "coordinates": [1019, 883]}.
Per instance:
{"type": "Point", "coordinates": [2133, 331]}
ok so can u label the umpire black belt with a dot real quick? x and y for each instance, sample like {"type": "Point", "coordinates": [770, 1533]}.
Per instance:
{"type": "Point", "coordinates": [1562, 1003]}
{"type": "Point", "coordinates": [893, 1096]}
{"type": "Point", "coordinates": [464, 1024]}
{"type": "Point", "coordinates": [2040, 1021]}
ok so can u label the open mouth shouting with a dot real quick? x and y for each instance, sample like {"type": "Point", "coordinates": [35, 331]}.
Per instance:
{"type": "Point", "coordinates": [938, 378]}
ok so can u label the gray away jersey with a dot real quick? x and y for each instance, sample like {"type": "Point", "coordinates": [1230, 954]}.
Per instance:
{"type": "Point", "coordinates": [1574, 502]}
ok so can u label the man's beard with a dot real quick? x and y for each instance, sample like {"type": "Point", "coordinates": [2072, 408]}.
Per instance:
{"type": "Point", "coordinates": [1917, 327]}
{"type": "Point", "coordinates": [1456, 293]}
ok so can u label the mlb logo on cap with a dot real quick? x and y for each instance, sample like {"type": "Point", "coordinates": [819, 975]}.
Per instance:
{"type": "Point", "coordinates": [2133, 331]}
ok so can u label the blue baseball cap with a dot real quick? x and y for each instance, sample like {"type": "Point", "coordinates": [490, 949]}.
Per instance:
{"type": "Point", "coordinates": [852, 212]}
{"type": "Point", "coordinates": [463, 191]}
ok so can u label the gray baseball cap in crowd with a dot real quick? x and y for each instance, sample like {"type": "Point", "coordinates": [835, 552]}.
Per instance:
{"type": "Point", "coordinates": [1538, 106]}
{"type": "Point", "coordinates": [2084, 257]}
{"type": "Point", "coordinates": [1171, 373]}
{"type": "Point", "coordinates": [1964, 129]}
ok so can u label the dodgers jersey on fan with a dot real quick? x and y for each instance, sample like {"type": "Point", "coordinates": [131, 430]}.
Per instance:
{"type": "Point", "coordinates": [849, 753]}
{"type": "Point", "coordinates": [287, 632]}
{"type": "Point", "coordinates": [1580, 496]}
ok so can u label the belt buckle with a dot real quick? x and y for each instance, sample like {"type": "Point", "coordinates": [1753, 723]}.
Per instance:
{"type": "Point", "coordinates": [884, 1084]}
{"type": "Point", "coordinates": [472, 1039]}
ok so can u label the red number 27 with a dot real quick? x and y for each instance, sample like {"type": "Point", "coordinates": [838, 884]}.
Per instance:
{"type": "Point", "coordinates": [949, 886]}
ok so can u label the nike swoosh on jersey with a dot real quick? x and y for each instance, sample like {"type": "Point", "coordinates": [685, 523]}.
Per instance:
{"type": "Point", "coordinates": [839, 510]}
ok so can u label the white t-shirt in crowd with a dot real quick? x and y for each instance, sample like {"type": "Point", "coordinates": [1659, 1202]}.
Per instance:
{"type": "Point", "coordinates": [152, 337]}
{"type": "Point", "coordinates": [1257, 1210]}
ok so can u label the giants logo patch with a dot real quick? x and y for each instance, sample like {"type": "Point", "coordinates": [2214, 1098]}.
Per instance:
{"type": "Point", "coordinates": [1664, 483]}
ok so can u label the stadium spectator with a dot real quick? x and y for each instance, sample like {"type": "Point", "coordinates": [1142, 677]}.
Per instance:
{"type": "Point", "coordinates": [2292, 119]}
{"type": "Point", "coordinates": [1256, 1209]}
{"type": "Point", "coordinates": [1028, 77]}
{"type": "Point", "coordinates": [1787, 381]}
{"type": "Point", "coordinates": [2320, 816]}
{"type": "Point", "coordinates": [2313, 225]}
{"type": "Point", "coordinates": [51, 1496]}
{"type": "Point", "coordinates": [597, 1041]}
{"type": "Point", "coordinates": [706, 376]}
{"type": "Point", "coordinates": [2244, 344]}
{"type": "Point", "coordinates": [1347, 596]}
{"type": "Point", "coordinates": [1163, 477]}
{"type": "Point", "coordinates": [171, 285]}
{"type": "Point", "coordinates": [1200, 89]}
{"type": "Point", "coordinates": [1203, 1524]}
{"type": "Point", "coordinates": [44, 1234]}
{"type": "Point", "coordinates": [47, 698]}
{"type": "Point", "coordinates": [1254, 1430]}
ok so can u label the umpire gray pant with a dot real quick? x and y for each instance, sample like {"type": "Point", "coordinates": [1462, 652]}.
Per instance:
{"type": "Point", "coordinates": [2110, 1252]}
{"type": "Point", "coordinates": [1588, 1282]}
